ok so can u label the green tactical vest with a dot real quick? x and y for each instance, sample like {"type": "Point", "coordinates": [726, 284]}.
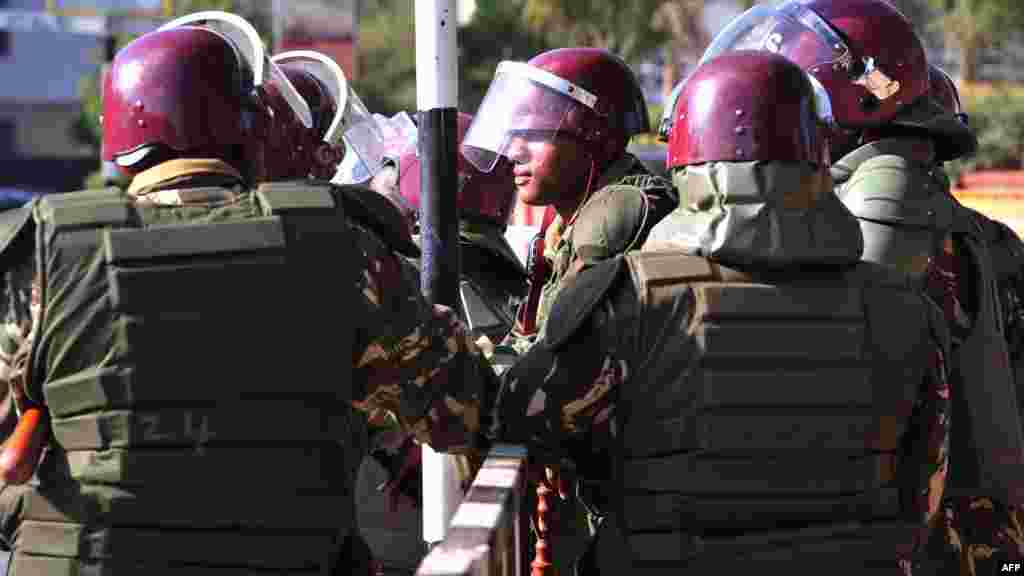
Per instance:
{"type": "Point", "coordinates": [765, 431]}
{"type": "Point", "coordinates": [189, 359]}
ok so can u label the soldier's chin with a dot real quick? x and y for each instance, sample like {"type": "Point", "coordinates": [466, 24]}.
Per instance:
{"type": "Point", "coordinates": [529, 194]}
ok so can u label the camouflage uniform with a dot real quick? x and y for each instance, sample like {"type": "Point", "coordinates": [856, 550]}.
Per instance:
{"type": "Point", "coordinates": [410, 362]}
{"type": "Point", "coordinates": [614, 363]}
{"type": "Point", "coordinates": [628, 201]}
{"type": "Point", "coordinates": [564, 402]}
{"type": "Point", "coordinates": [976, 532]}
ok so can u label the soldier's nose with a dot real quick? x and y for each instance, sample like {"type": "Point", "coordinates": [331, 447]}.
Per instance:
{"type": "Point", "coordinates": [517, 150]}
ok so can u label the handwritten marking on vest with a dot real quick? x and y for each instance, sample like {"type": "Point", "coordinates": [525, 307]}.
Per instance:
{"type": "Point", "coordinates": [200, 434]}
{"type": "Point", "coordinates": [150, 423]}
{"type": "Point", "coordinates": [194, 427]}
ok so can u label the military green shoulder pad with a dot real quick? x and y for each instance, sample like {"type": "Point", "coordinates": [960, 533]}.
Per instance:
{"type": "Point", "coordinates": [275, 197]}
{"type": "Point", "coordinates": [578, 299]}
{"type": "Point", "coordinates": [609, 223]}
{"type": "Point", "coordinates": [101, 207]}
{"type": "Point", "coordinates": [379, 215]}
{"type": "Point", "coordinates": [893, 190]}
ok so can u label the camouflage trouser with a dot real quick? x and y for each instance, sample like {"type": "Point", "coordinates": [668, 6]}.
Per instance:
{"type": "Point", "coordinates": [979, 535]}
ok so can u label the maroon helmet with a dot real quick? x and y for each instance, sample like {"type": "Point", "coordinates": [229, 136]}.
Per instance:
{"type": "Point", "coordinates": [293, 150]}
{"type": "Point", "coordinates": [749, 106]}
{"type": "Point", "coordinates": [943, 91]}
{"type": "Point", "coordinates": [198, 86]}
{"type": "Point", "coordinates": [489, 195]}
{"type": "Point", "coordinates": [342, 123]}
{"type": "Point", "coordinates": [864, 52]}
{"type": "Point", "coordinates": [305, 152]}
{"type": "Point", "coordinates": [585, 93]}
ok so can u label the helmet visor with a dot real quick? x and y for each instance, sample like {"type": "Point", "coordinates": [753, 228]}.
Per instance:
{"type": "Point", "coordinates": [362, 134]}
{"type": "Point", "coordinates": [789, 29]}
{"type": "Point", "coordinates": [665, 125]}
{"type": "Point", "coordinates": [331, 77]}
{"type": "Point", "coordinates": [521, 102]}
{"type": "Point", "coordinates": [251, 52]}
{"type": "Point", "coordinates": [388, 140]}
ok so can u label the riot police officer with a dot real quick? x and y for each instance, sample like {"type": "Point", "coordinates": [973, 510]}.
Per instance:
{"type": "Point", "coordinates": [564, 119]}
{"type": "Point", "coordinates": [747, 390]}
{"type": "Point", "coordinates": [184, 436]}
{"type": "Point", "coordinates": [893, 134]}
{"type": "Point", "coordinates": [980, 532]}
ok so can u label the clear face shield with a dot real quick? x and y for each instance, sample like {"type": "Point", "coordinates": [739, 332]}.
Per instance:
{"type": "Point", "coordinates": [792, 30]}
{"type": "Point", "coordinates": [253, 54]}
{"type": "Point", "coordinates": [390, 137]}
{"type": "Point", "coordinates": [826, 121]}
{"type": "Point", "coordinates": [667, 115]}
{"type": "Point", "coordinates": [522, 102]}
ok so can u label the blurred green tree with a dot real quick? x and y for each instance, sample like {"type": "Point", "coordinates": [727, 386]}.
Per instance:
{"type": "Point", "coordinates": [625, 27]}
{"type": "Point", "coordinates": [998, 119]}
{"type": "Point", "coordinates": [972, 25]}
{"type": "Point", "coordinates": [387, 52]}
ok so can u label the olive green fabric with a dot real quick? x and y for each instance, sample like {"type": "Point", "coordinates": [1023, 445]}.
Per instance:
{"type": "Point", "coordinates": [177, 355]}
{"type": "Point", "coordinates": [777, 413]}
{"type": "Point", "coordinates": [294, 423]}
{"type": "Point", "coordinates": [739, 213]}
{"type": "Point", "coordinates": [256, 549]}
{"type": "Point", "coordinates": [211, 506]}
{"type": "Point", "coordinates": [901, 199]}
{"type": "Point", "coordinates": [617, 217]}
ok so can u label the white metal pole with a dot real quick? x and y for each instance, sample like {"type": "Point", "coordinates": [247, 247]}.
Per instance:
{"type": "Point", "coordinates": [437, 101]}
{"type": "Point", "coordinates": [277, 19]}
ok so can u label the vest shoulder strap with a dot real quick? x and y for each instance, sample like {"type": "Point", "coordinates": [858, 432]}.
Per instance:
{"type": "Point", "coordinates": [278, 197]}
{"type": "Point", "coordinates": [85, 209]}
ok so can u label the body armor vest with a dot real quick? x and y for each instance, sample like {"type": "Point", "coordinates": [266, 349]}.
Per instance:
{"type": "Point", "coordinates": [905, 212]}
{"type": "Point", "coordinates": [766, 429]}
{"type": "Point", "coordinates": [196, 406]}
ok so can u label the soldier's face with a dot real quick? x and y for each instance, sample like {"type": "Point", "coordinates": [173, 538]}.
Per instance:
{"type": "Point", "coordinates": [548, 169]}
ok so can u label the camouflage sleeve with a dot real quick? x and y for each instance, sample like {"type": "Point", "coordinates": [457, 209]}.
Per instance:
{"type": "Point", "coordinates": [561, 402]}
{"type": "Point", "coordinates": [977, 533]}
{"type": "Point", "coordinates": [20, 311]}
{"type": "Point", "coordinates": [929, 449]}
{"type": "Point", "coordinates": [414, 366]}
